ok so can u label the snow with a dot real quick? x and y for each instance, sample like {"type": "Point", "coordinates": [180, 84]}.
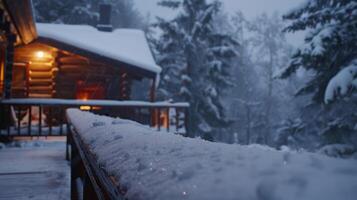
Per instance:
{"type": "Point", "coordinates": [72, 102]}
{"type": "Point", "coordinates": [338, 150]}
{"type": "Point", "coordinates": [126, 45]}
{"type": "Point", "coordinates": [342, 83]}
{"type": "Point", "coordinates": [316, 38]}
{"type": "Point", "coordinates": [34, 170]}
{"type": "Point", "coordinates": [157, 165]}
{"type": "Point", "coordinates": [13, 131]}
{"type": "Point", "coordinates": [298, 7]}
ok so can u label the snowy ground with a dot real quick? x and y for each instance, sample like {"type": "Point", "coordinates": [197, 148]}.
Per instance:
{"type": "Point", "coordinates": [155, 165]}
{"type": "Point", "coordinates": [34, 170]}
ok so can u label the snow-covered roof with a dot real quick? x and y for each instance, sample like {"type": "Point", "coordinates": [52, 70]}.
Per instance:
{"type": "Point", "coordinates": [158, 165]}
{"type": "Point", "coordinates": [125, 45]}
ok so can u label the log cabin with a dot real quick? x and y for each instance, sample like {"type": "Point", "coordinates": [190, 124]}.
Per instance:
{"type": "Point", "coordinates": [74, 61]}
{"type": "Point", "coordinates": [46, 69]}
{"type": "Point", "coordinates": [56, 66]}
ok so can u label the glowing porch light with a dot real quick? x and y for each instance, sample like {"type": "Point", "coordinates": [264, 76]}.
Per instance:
{"type": "Point", "coordinates": [40, 54]}
{"type": "Point", "coordinates": [85, 108]}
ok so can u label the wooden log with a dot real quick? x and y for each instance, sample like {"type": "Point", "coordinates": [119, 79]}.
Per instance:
{"type": "Point", "coordinates": [78, 61]}
{"type": "Point", "coordinates": [42, 75]}
{"type": "Point", "coordinates": [73, 60]}
{"type": "Point", "coordinates": [42, 68]}
{"type": "Point", "coordinates": [41, 82]}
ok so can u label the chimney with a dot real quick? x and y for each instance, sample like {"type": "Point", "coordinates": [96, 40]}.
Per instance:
{"type": "Point", "coordinates": [105, 11]}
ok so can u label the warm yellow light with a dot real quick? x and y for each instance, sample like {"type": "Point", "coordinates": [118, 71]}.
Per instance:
{"type": "Point", "coordinates": [85, 108]}
{"type": "Point", "coordinates": [40, 54]}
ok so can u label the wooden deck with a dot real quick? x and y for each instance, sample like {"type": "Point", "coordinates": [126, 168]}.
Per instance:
{"type": "Point", "coordinates": [38, 173]}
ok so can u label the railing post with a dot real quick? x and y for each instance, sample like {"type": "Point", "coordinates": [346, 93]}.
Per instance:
{"type": "Point", "coordinates": [40, 120]}
{"type": "Point", "coordinates": [49, 120]}
{"type": "Point", "coordinates": [187, 122]}
{"type": "Point", "coordinates": [75, 162]}
{"type": "Point", "coordinates": [68, 142]}
{"type": "Point", "coordinates": [158, 112]}
{"type": "Point", "coordinates": [88, 190]}
{"type": "Point", "coordinates": [3, 116]}
{"type": "Point", "coordinates": [152, 117]}
{"type": "Point", "coordinates": [18, 120]}
{"type": "Point", "coordinates": [177, 120]}
{"type": "Point", "coordinates": [168, 119]}
{"type": "Point", "coordinates": [8, 121]}
{"type": "Point", "coordinates": [61, 120]}
{"type": "Point", "coordinates": [29, 121]}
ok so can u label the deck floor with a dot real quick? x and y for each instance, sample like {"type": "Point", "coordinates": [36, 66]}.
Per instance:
{"type": "Point", "coordinates": [38, 173]}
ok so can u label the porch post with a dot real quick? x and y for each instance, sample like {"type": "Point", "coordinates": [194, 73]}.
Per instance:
{"type": "Point", "coordinates": [2, 56]}
{"type": "Point", "coordinates": [152, 99]}
{"type": "Point", "coordinates": [152, 90]}
{"type": "Point", "coordinates": [9, 59]}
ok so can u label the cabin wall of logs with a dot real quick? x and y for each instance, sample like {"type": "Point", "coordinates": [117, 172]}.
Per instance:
{"type": "Point", "coordinates": [34, 71]}
{"type": "Point", "coordinates": [41, 71]}
{"type": "Point", "coordinates": [82, 78]}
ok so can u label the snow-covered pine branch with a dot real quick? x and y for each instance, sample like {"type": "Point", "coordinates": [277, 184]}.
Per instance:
{"type": "Point", "coordinates": [330, 44]}
{"type": "Point", "coordinates": [341, 84]}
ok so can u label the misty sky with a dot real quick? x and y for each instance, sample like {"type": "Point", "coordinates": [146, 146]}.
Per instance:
{"type": "Point", "coordinates": [250, 9]}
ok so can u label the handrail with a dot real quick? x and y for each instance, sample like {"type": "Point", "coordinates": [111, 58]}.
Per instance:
{"type": "Point", "coordinates": [75, 102]}
{"type": "Point", "coordinates": [51, 116]}
{"type": "Point", "coordinates": [96, 184]}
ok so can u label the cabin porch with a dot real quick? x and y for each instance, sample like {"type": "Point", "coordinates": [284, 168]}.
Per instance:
{"type": "Point", "coordinates": [39, 171]}
{"type": "Point", "coordinates": [45, 169]}
{"type": "Point", "coordinates": [46, 117]}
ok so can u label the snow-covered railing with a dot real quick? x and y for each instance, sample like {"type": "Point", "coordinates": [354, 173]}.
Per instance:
{"type": "Point", "coordinates": [46, 117]}
{"type": "Point", "coordinates": [88, 180]}
{"type": "Point", "coordinates": [140, 163]}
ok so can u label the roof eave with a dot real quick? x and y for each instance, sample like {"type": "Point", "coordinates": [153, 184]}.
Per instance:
{"type": "Point", "coordinates": [21, 14]}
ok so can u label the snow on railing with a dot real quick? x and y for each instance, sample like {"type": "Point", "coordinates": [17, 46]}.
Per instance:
{"type": "Point", "coordinates": [146, 164]}
{"type": "Point", "coordinates": [75, 102]}
{"type": "Point", "coordinates": [45, 117]}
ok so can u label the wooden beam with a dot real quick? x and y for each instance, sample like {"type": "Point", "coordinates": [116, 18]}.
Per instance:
{"type": "Point", "coordinates": [9, 62]}
{"type": "Point", "coordinates": [153, 90]}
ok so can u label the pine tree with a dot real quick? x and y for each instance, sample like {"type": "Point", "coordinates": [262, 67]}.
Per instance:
{"type": "Point", "coordinates": [330, 46]}
{"type": "Point", "coordinates": [270, 52]}
{"type": "Point", "coordinates": [124, 13]}
{"type": "Point", "coordinates": [329, 53]}
{"type": "Point", "coordinates": [65, 11]}
{"type": "Point", "coordinates": [243, 99]}
{"type": "Point", "coordinates": [196, 63]}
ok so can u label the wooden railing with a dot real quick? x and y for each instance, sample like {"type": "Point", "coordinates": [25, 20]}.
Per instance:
{"type": "Point", "coordinates": [46, 117]}
{"type": "Point", "coordinates": [88, 180]}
